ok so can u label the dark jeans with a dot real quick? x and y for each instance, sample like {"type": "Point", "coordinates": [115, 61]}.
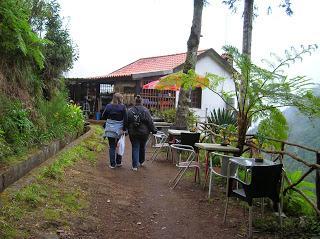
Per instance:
{"type": "Point", "coordinates": [138, 150]}
{"type": "Point", "coordinates": [114, 159]}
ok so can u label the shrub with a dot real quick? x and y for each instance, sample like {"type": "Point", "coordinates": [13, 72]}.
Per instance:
{"type": "Point", "coordinates": [61, 118]}
{"type": "Point", "coordinates": [5, 149]}
{"type": "Point", "coordinates": [170, 114]}
{"type": "Point", "coordinates": [294, 203]}
{"type": "Point", "coordinates": [20, 128]}
{"type": "Point", "coordinates": [17, 128]}
{"type": "Point", "coordinates": [293, 227]}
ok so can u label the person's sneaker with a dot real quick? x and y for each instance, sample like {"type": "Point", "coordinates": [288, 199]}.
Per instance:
{"type": "Point", "coordinates": [135, 169]}
{"type": "Point", "coordinates": [110, 166]}
{"type": "Point", "coordinates": [119, 165]}
{"type": "Point", "coordinates": [142, 164]}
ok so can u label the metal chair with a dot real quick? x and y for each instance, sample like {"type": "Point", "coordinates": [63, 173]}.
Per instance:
{"type": "Point", "coordinates": [265, 182]}
{"type": "Point", "coordinates": [183, 165]}
{"type": "Point", "coordinates": [221, 171]}
{"type": "Point", "coordinates": [187, 139]}
{"type": "Point", "coordinates": [190, 138]}
{"type": "Point", "coordinates": [160, 142]}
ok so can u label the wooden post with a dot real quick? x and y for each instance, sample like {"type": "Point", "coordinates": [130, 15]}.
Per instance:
{"type": "Point", "coordinates": [318, 181]}
{"type": "Point", "coordinates": [97, 108]}
{"type": "Point", "coordinates": [282, 149]}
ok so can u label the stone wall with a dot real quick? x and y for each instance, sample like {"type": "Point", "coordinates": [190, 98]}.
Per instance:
{"type": "Point", "coordinates": [17, 171]}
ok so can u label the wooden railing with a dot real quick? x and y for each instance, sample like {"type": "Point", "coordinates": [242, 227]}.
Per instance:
{"type": "Point", "coordinates": [278, 155]}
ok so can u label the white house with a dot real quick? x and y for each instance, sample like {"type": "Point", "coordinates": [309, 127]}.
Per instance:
{"type": "Point", "coordinates": [212, 62]}
{"type": "Point", "coordinates": [129, 81]}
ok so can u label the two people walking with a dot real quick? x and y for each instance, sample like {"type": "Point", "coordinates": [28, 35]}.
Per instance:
{"type": "Point", "coordinates": [137, 121]}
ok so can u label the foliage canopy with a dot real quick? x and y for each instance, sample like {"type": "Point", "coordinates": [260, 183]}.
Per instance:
{"type": "Point", "coordinates": [261, 91]}
{"type": "Point", "coordinates": [36, 49]}
{"type": "Point", "coordinates": [16, 36]}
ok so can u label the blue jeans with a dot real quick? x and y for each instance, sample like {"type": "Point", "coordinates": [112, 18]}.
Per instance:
{"type": "Point", "coordinates": [138, 150]}
{"type": "Point", "coordinates": [114, 159]}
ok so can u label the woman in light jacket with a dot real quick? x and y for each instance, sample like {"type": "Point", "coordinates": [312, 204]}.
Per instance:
{"type": "Point", "coordinates": [115, 126]}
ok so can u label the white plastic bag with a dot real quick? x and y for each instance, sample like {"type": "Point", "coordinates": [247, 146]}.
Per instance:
{"type": "Point", "coordinates": [121, 145]}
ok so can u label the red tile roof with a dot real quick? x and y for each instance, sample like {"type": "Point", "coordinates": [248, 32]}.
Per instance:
{"type": "Point", "coordinates": [152, 64]}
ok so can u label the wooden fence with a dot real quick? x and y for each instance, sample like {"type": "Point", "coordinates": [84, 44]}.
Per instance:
{"type": "Point", "coordinates": [279, 155]}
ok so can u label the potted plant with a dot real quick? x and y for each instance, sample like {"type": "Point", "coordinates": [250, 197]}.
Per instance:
{"type": "Point", "coordinates": [226, 134]}
{"type": "Point", "coordinates": [256, 151]}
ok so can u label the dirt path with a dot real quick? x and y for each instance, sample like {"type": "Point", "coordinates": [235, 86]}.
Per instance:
{"type": "Point", "coordinates": [127, 204]}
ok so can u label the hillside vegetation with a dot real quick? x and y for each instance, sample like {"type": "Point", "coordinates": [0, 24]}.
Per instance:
{"type": "Point", "coordinates": [304, 131]}
{"type": "Point", "coordinates": [36, 50]}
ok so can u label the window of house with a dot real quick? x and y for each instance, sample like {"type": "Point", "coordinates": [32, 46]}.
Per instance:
{"type": "Point", "coordinates": [106, 88]}
{"type": "Point", "coordinates": [196, 98]}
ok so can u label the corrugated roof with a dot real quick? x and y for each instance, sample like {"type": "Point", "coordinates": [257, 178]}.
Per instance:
{"type": "Point", "coordinates": [152, 64]}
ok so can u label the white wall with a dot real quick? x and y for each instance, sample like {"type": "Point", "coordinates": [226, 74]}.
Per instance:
{"type": "Point", "coordinates": [209, 99]}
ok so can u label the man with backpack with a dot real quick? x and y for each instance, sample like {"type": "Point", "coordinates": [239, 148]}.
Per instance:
{"type": "Point", "coordinates": [140, 125]}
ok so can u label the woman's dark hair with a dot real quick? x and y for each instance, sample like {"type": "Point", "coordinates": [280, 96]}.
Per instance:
{"type": "Point", "coordinates": [138, 99]}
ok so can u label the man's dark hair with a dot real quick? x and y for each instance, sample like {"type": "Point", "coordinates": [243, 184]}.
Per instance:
{"type": "Point", "coordinates": [138, 100]}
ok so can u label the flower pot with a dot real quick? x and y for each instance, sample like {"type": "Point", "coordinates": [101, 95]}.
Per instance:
{"type": "Point", "coordinates": [258, 160]}
{"type": "Point", "coordinates": [224, 144]}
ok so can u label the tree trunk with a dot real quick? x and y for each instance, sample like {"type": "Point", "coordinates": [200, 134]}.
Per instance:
{"type": "Point", "coordinates": [242, 131]}
{"type": "Point", "coordinates": [247, 27]}
{"type": "Point", "coordinates": [246, 49]}
{"type": "Point", "coordinates": [190, 63]}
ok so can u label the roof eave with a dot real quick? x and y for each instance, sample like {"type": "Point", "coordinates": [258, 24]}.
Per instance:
{"type": "Point", "coordinates": [149, 74]}
{"type": "Point", "coordinates": [211, 52]}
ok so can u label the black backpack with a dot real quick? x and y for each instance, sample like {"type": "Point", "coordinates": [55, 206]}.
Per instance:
{"type": "Point", "coordinates": [136, 117]}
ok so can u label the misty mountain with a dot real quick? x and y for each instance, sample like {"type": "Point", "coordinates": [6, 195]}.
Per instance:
{"type": "Point", "coordinates": [303, 131]}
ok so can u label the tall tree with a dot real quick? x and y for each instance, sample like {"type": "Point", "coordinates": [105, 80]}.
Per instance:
{"type": "Point", "coordinates": [248, 14]}
{"type": "Point", "coordinates": [247, 27]}
{"type": "Point", "coordinates": [190, 63]}
{"type": "Point", "coordinates": [243, 104]}
{"type": "Point", "coordinates": [60, 53]}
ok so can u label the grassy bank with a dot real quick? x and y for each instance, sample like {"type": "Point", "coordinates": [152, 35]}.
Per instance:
{"type": "Point", "coordinates": [49, 201]}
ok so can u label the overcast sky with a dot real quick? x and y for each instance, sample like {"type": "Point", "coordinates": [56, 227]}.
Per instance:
{"type": "Point", "coordinates": [111, 34]}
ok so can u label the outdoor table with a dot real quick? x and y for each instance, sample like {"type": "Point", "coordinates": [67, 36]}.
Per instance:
{"type": "Point", "coordinates": [210, 147]}
{"type": "Point", "coordinates": [161, 125]}
{"type": "Point", "coordinates": [177, 132]}
{"type": "Point", "coordinates": [157, 119]}
{"type": "Point", "coordinates": [246, 163]}
{"type": "Point", "coordinates": [250, 162]}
